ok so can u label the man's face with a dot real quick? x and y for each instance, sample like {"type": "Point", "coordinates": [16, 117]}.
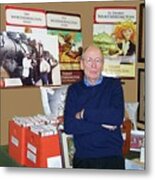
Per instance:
{"type": "Point", "coordinates": [92, 63]}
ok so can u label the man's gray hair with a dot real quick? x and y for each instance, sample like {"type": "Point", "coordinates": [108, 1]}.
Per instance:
{"type": "Point", "coordinates": [85, 49]}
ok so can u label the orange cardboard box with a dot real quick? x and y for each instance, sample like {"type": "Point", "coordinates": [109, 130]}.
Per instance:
{"type": "Point", "coordinates": [40, 149]}
{"type": "Point", "coordinates": [17, 142]}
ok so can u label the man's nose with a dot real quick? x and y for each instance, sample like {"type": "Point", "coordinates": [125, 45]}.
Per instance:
{"type": "Point", "coordinates": [93, 64]}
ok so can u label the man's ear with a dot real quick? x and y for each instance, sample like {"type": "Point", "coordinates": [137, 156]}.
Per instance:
{"type": "Point", "coordinates": [81, 64]}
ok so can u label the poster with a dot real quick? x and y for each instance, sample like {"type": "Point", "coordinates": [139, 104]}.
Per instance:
{"type": "Point", "coordinates": [68, 28]}
{"type": "Point", "coordinates": [141, 99]}
{"type": "Point", "coordinates": [141, 47]}
{"type": "Point", "coordinates": [32, 58]}
{"type": "Point", "coordinates": [114, 31]}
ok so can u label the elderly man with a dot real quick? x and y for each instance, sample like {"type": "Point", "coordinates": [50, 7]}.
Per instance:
{"type": "Point", "coordinates": [94, 111]}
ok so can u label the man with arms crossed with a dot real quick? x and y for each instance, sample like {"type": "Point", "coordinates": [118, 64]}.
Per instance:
{"type": "Point", "coordinates": [94, 111]}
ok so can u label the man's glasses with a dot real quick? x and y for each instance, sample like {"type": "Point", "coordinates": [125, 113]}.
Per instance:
{"type": "Point", "coordinates": [90, 60]}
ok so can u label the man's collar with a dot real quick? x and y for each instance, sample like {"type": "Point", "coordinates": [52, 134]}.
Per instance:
{"type": "Point", "coordinates": [98, 81]}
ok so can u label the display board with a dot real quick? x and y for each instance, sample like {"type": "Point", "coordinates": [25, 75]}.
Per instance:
{"type": "Point", "coordinates": [27, 101]}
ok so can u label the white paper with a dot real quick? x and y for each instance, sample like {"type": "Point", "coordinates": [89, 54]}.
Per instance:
{"type": "Point", "coordinates": [10, 82]}
{"type": "Point", "coordinates": [44, 99]}
{"type": "Point", "coordinates": [142, 154]}
{"type": "Point", "coordinates": [131, 108]}
{"type": "Point", "coordinates": [54, 162]}
{"type": "Point", "coordinates": [14, 141]}
{"type": "Point", "coordinates": [32, 157]}
{"type": "Point", "coordinates": [32, 148]}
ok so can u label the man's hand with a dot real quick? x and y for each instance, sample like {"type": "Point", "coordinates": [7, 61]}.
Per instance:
{"type": "Point", "coordinates": [109, 127]}
{"type": "Point", "coordinates": [79, 115]}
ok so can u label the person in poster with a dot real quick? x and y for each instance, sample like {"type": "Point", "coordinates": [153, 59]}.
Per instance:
{"type": "Point", "coordinates": [125, 35]}
{"type": "Point", "coordinates": [120, 42]}
{"type": "Point", "coordinates": [44, 68]}
{"type": "Point", "coordinates": [26, 70]}
{"type": "Point", "coordinates": [52, 62]}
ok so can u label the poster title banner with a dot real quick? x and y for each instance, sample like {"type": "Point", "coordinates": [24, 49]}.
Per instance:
{"type": "Point", "coordinates": [25, 17]}
{"type": "Point", "coordinates": [63, 21]}
{"type": "Point", "coordinates": [112, 14]}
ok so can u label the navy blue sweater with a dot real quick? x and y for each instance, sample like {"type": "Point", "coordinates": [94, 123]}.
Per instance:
{"type": "Point", "coordinates": [103, 104]}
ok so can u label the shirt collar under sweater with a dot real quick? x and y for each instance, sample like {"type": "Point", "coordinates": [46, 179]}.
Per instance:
{"type": "Point", "coordinates": [98, 81]}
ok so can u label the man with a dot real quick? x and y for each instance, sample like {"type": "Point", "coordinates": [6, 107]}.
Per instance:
{"type": "Point", "coordinates": [53, 63]}
{"type": "Point", "coordinates": [94, 111]}
{"type": "Point", "coordinates": [27, 67]}
{"type": "Point", "coordinates": [44, 70]}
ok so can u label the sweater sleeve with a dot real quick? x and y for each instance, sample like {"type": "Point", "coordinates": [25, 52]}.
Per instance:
{"type": "Point", "coordinates": [112, 114]}
{"type": "Point", "coordinates": [71, 124]}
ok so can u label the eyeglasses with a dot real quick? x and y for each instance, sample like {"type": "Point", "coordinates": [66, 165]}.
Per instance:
{"type": "Point", "coordinates": [90, 60]}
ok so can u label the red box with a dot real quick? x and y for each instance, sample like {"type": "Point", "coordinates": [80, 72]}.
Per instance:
{"type": "Point", "coordinates": [17, 142]}
{"type": "Point", "coordinates": [39, 149]}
